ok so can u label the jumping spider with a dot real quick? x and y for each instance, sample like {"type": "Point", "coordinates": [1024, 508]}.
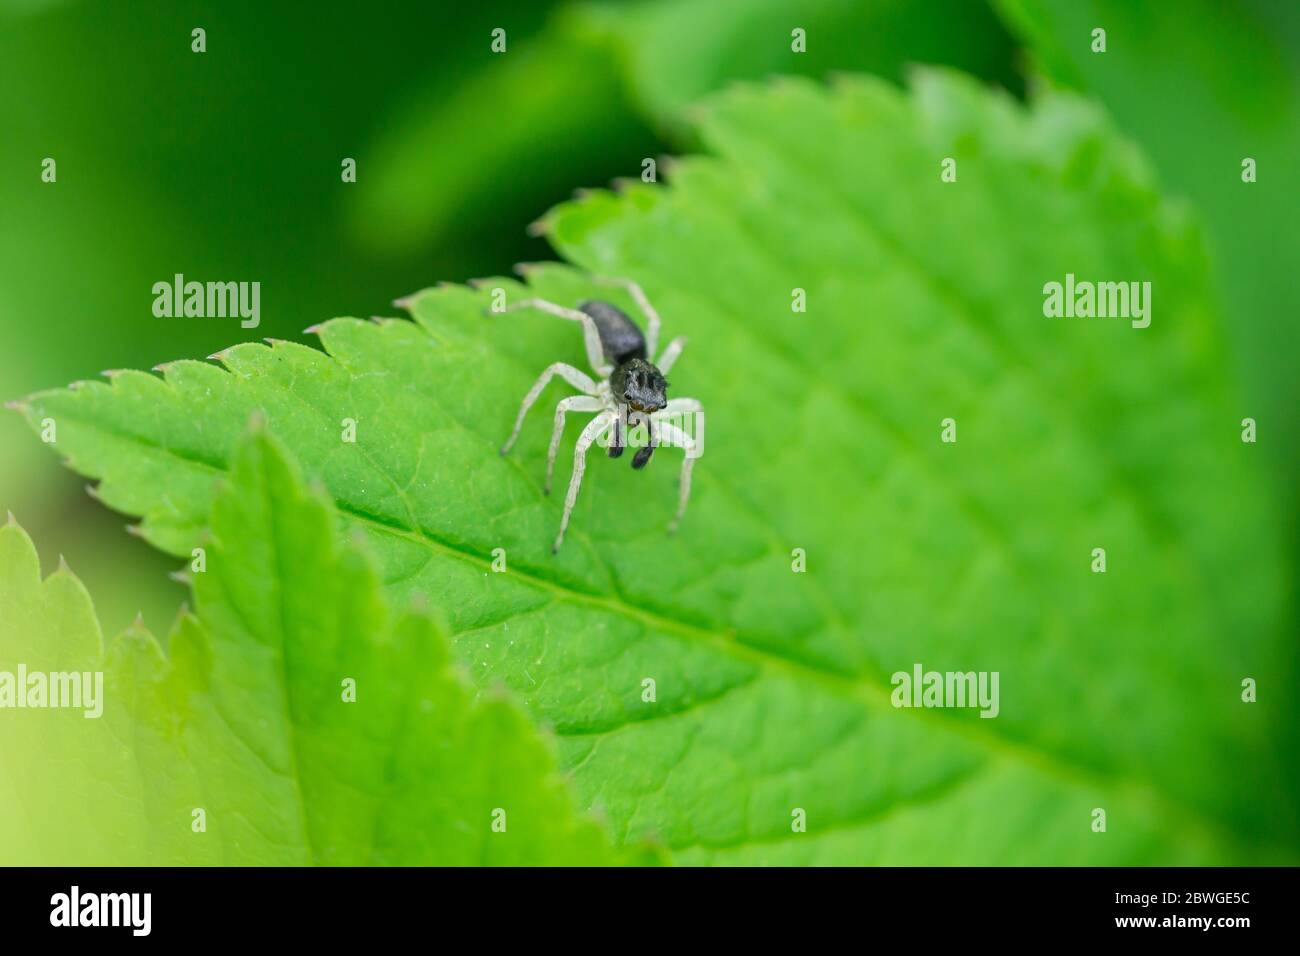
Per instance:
{"type": "Point", "coordinates": [631, 390]}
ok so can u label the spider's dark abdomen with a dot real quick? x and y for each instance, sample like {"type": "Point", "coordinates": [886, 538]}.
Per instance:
{"type": "Point", "coordinates": [619, 336]}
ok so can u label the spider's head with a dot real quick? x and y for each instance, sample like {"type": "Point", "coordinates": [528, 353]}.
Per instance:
{"type": "Point", "coordinates": [639, 385]}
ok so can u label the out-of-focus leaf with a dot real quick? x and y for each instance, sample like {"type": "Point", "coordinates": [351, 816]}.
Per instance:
{"type": "Point", "coordinates": [581, 98]}
{"type": "Point", "coordinates": [1202, 86]}
{"type": "Point", "coordinates": [306, 722]}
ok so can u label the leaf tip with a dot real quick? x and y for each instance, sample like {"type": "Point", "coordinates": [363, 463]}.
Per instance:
{"type": "Point", "coordinates": [314, 329]}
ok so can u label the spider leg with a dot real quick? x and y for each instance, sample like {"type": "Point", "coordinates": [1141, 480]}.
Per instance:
{"type": "Point", "coordinates": [577, 379]}
{"type": "Point", "coordinates": [671, 434]}
{"type": "Point", "coordinates": [643, 303]}
{"type": "Point", "coordinates": [594, 429]}
{"type": "Point", "coordinates": [574, 403]}
{"type": "Point", "coordinates": [676, 414]}
{"type": "Point", "coordinates": [678, 406]}
{"type": "Point", "coordinates": [590, 334]}
{"type": "Point", "coordinates": [671, 353]}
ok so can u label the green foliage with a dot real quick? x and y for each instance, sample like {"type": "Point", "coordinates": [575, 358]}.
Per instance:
{"type": "Point", "coordinates": [1201, 86]}
{"type": "Point", "coordinates": [1119, 690]}
{"type": "Point", "coordinates": [309, 723]}
{"type": "Point", "coordinates": [674, 52]}
{"type": "Point", "coordinates": [139, 198]}
{"type": "Point", "coordinates": [609, 74]}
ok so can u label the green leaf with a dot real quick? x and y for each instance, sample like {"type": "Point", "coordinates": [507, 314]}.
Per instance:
{"type": "Point", "coordinates": [306, 722]}
{"type": "Point", "coordinates": [67, 788]}
{"type": "Point", "coordinates": [1201, 86]}
{"type": "Point", "coordinates": [1119, 691]}
{"type": "Point", "coordinates": [610, 74]}
{"type": "Point", "coordinates": [673, 52]}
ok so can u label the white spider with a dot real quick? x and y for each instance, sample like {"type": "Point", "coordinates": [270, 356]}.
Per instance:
{"type": "Point", "coordinates": [630, 390]}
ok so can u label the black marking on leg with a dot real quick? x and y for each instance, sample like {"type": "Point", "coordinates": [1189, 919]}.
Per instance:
{"type": "Point", "coordinates": [616, 443]}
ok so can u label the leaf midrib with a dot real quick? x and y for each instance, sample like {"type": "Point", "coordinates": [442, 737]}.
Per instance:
{"type": "Point", "coordinates": [856, 689]}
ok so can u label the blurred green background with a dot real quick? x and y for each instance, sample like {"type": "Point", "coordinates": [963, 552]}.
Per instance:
{"type": "Point", "coordinates": [226, 165]}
